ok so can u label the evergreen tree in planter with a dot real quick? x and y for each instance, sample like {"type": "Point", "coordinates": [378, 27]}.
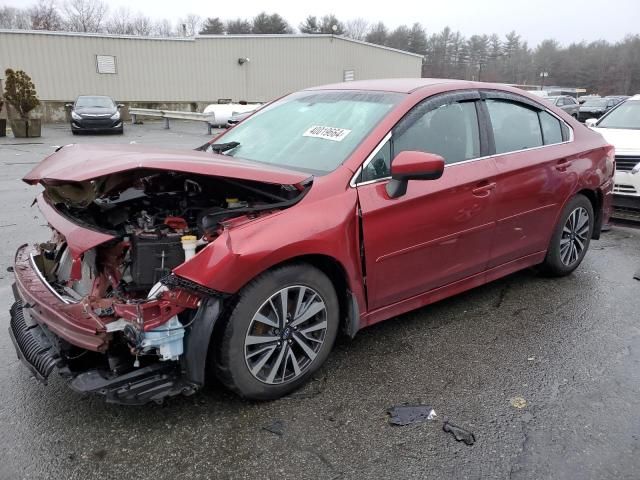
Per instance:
{"type": "Point", "coordinates": [20, 93]}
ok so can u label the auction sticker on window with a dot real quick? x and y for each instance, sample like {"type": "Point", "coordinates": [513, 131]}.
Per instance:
{"type": "Point", "coordinates": [328, 133]}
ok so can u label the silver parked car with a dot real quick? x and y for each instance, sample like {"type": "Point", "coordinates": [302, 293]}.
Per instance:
{"type": "Point", "coordinates": [566, 103]}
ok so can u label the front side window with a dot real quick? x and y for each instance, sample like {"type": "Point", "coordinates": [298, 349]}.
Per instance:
{"type": "Point", "coordinates": [515, 126]}
{"type": "Point", "coordinates": [379, 166]}
{"type": "Point", "coordinates": [450, 131]}
{"type": "Point", "coordinates": [313, 131]}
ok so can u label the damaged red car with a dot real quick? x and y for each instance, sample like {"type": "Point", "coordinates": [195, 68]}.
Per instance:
{"type": "Point", "coordinates": [324, 212]}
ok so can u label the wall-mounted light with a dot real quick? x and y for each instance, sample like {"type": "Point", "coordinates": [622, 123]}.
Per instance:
{"type": "Point", "coordinates": [243, 60]}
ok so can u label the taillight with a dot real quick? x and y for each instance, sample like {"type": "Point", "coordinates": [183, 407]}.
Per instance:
{"type": "Point", "coordinates": [611, 160]}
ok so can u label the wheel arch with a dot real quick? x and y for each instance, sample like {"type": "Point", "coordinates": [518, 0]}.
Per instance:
{"type": "Point", "coordinates": [595, 197]}
{"type": "Point", "coordinates": [337, 273]}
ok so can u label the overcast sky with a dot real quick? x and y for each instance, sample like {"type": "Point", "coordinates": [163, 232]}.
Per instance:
{"type": "Point", "coordinates": [565, 20]}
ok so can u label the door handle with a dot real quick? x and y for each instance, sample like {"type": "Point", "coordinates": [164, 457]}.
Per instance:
{"type": "Point", "coordinates": [484, 189]}
{"type": "Point", "coordinates": [563, 165]}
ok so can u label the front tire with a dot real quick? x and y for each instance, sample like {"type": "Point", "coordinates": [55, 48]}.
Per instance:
{"type": "Point", "coordinates": [571, 237]}
{"type": "Point", "coordinates": [281, 330]}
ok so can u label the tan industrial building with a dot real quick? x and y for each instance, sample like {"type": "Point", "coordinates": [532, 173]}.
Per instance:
{"type": "Point", "coordinates": [187, 73]}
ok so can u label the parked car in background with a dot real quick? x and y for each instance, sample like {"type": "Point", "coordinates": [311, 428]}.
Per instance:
{"type": "Point", "coordinates": [621, 128]}
{"type": "Point", "coordinates": [618, 98]}
{"type": "Point", "coordinates": [595, 107]}
{"type": "Point", "coordinates": [566, 103]}
{"type": "Point", "coordinates": [584, 98]}
{"type": "Point", "coordinates": [327, 211]}
{"type": "Point", "coordinates": [95, 113]}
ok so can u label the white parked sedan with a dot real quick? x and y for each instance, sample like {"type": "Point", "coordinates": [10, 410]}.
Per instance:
{"type": "Point", "coordinates": [621, 128]}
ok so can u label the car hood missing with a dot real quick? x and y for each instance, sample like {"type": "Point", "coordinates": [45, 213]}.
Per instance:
{"type": "Point", "coordinates": [82, 162]}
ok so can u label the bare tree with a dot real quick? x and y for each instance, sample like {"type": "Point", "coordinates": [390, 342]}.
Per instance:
{"type": "Point", "coordinates": [44, 15]}
{"type": "Point", "coordinates": [356, 28]}
{"type": "Point", "coordinates": [189, 25]}
{"type": "Point", "coordinates": [163, 28]}
{"type": "Point", "coordinates": [11, 17]}
{"type": "Point", "coordinates": [85, 15]}
{"type": "Point", "coordinates": [142, 25]}
{"type": "Point", "coordinates": [120, 22]}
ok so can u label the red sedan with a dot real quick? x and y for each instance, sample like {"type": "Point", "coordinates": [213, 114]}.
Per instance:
{"type": "Point", "coordinates": [326, 211]}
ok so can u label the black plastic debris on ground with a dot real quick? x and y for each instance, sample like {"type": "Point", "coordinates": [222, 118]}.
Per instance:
{"type": "Point", "coordinates": [408, 414]}
{"type": "Point", "coordinates": [276, 427]}
{"type": "Point", "coordinates": [459, 433]}
{"type": "Point", "coordinates": [637, 275]}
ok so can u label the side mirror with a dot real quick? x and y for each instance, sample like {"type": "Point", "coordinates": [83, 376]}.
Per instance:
{"type": "Point", "coordinates": [68, 105]}
{"type": "Point", "coordinates": [120, 105]}
{"type": "Point", "coordinates": [412, 165]}
{"type": "Point", "coordinates": [591, 122]}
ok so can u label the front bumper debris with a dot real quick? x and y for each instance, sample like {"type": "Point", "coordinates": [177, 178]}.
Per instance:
{"type": "Point", "coordinates": [32, 345]}
{"type": "Point", "coordinates": [137, 387]}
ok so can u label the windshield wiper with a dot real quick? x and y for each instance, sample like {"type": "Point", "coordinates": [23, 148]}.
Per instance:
{"type": "Point", "coordinates": [218, 147]}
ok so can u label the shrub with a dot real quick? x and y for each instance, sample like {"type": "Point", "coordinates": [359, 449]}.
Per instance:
{"type": "Point", "coordinates": [20, 92]}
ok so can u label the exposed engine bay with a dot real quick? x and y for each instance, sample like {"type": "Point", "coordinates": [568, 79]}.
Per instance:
{"type": "Point", "coordinates": [156, 220]}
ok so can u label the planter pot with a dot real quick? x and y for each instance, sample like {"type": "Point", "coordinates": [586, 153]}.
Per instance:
{"type": "Point", "coordinates": [3, 127]}
{"type": "Point", "coordinates": [34, 128]}
{"type": "Point", "coordinates": [26, 128]}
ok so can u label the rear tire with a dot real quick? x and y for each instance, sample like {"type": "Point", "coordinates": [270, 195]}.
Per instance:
{"type": "Point", "coordinates": [571, 237]}
{"type": "Point", "coordinates": [267, 350]}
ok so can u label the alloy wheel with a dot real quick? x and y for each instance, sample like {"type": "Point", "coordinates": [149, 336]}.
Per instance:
{"type": "Point", "coordinates": [574, 236]}
{"type": "Point", "coordinates": [285, 334]}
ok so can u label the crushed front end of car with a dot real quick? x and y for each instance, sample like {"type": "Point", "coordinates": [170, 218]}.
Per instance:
{"type": "Point", "coordinates": [99, 301]}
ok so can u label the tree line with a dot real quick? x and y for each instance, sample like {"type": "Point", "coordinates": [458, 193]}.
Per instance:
{"type": "Point", "coordinates": [599, 66]}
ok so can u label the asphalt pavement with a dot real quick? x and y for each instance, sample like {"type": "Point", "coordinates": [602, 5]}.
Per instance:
{"type": "Point", "coordinates": [544, 372]}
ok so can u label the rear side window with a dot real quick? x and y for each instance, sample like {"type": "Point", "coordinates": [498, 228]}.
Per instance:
{"type": "Point", "coordinates": [450, 131]}
{"type": "Point", "coordinates": [515, 126]}
{"type": "Point", "coordinates": [551, 128]}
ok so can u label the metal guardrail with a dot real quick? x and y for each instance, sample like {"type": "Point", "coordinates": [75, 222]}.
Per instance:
{"type": "Point", "coordinates": [209, 118]}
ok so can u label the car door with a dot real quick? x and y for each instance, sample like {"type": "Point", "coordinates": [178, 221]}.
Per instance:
{"type": "Point", "coordinates": [533, 174]}
{"type": "Point", "coordinates": [439, 231]}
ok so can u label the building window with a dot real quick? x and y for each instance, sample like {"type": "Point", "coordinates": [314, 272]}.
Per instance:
{"type": "Point", "coordinates": [348, 75]}
{"type": "Point", "coordinates": [106, 64]}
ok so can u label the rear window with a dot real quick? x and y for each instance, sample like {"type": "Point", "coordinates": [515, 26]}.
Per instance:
{"type": "Point", "coordinates": [551, 128]}
{"type": "Point", "coordinates": [515, 126]}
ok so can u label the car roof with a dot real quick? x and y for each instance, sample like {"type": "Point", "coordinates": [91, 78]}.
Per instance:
{"type": "Point", "coordinates": [398, 85]}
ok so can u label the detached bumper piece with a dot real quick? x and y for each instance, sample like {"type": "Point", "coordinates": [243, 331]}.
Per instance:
{"type": "Point", "coordinates": [32, 345]}
{"type": "Point", "coordinates": [148, 384]}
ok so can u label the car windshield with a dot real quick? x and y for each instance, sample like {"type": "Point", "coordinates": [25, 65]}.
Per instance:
{"type": "Point", "coordinates": [626, 116]}
{"type": "Point", "coordinates": [551, 100]}
{"type": "Point", "coordinates": [99, 102]}
{"type": "Point", "coordinates": [596, 102]}
{"type": "Point", "coordinates": [313, 131]}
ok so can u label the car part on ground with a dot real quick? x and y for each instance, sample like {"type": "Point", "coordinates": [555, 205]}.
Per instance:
{"type": "Point", "coordinates": [459, 433]}
{"type": "Point", "coordinates": [409, 414]}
